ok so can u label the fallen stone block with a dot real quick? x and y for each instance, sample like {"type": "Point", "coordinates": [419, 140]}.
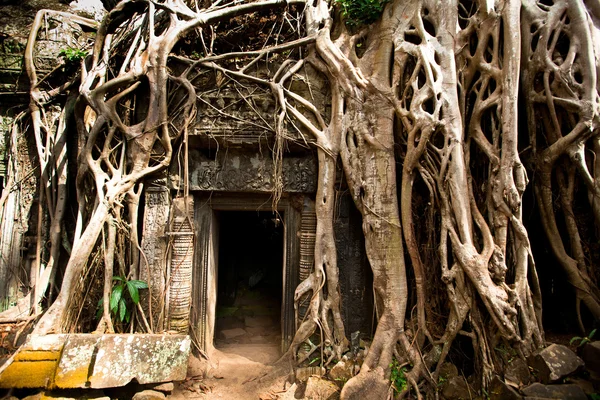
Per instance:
{"type": "Point", "coordinates": [517, 372]}
{"type": "Point", "coordinates": [591, 357]}
{"type": "Point", "coordinates": [97, 361]}
{"type": "Point", "coordinates": [321, 389]}
{"type": "Point", "coordinates": [342, 371]}
{"type": "Point", "coordinates": [228, 334]}
{"type": "Point", "coordinates": [565, 392]}
{"type": "Point", "coordinates": [499, 390]}
{"type": "Point", "coordinates": [555, 362]}
{"type": "Point", "coordinates": [146, 358]}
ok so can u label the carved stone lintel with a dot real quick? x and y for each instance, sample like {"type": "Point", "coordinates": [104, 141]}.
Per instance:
{"type": "Point", "coordinates": [236, 170]}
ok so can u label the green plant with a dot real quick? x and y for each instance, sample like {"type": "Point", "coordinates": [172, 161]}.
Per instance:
{"type": "Point", "coordinates": [398, 376]}
{"type": "Point", "coordinates": [119, 306]}
{"type": "Point", "coordinates": [595, 396]}
{"type": "Point", "coordinates": [361, 12]}
{"type": "Point", "coordinates": [72, 55]}
{"type": "Point", "coordinates": [583, 340]}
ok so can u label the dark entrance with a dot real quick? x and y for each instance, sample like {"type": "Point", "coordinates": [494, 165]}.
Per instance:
{"type": "Point", "coordinates": [250, 278]}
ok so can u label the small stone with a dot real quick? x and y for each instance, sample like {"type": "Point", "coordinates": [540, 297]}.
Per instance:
{"type": "Point", "coordinates": [320, 389]}
{"type": "Point", "coordinates": [565, 392]}
{"type": "Point", "coordinates": [456, 388]}
{"type": "Point", "coordinates": [166, 387]}
{"type": "Point", "coordinates": [342, 371]}
{"type": "Point", "coordinates": [149, 395]}
{"type": "Point", "coordinates": [228, 334]}
{"type": "Point", "coordinates": [517, 372]}
{"type": "Point", "coordinates": [499, 390]}
{"type": "Point", "coordinates": [555, 362]}
{"type": "Point", "coordinates": [591, 357]}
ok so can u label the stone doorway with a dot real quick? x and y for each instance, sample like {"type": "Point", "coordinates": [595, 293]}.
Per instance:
{"type": "Point", "coordinates": [221, 222]}
{"type": "Point", "coordinates": [250, 278]}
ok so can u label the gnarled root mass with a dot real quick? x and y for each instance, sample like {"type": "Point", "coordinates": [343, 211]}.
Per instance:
{"type": "Point", "coordinates": [423, 117]}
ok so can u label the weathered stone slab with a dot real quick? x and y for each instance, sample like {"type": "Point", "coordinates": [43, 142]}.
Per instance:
{"type": "Point", "coordinates": [565, 392]}
{"type": "Point", "coordinates": [555, 362]}
{"type": "Point", "coordinates": [97, 361]}
{"type": "Point", "coordinates": [147, 358]}
{"type": "Point", "coordinates": [231, 333]}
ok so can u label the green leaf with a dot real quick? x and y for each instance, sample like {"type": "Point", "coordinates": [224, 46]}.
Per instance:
{"type": "Point", "coordinates": [574, 338]}
{"type": "Point", "coordinates": [133, 292]}
{"type": "Point", "coordinates": [100, 310]}
{"type": "Point", "coordinates": [127, 316]}
{"type": "Point", "coordinates": [139, 284]}
{"type": "Point", "coordinates": [118, 278]}
{"type": "Point", "coordinates": [122, 310]}
{"type": "Point", "coordinates": [592, 333]}
{"type": "Point", "coordinates": [115, 298]}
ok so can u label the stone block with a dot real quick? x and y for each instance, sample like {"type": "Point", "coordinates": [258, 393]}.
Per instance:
{"type": "Point", "coordinates": [499, 390]}
{"type": "Point", "coordinates": [146, 358]}
{"type": "Point", "coordinates": [320, 389]}
{"type": "Point", "coordinates": [149, 395]}
{"type": "Point", "coordinates": [591, 357]}
{"type": "Point", "coordinates": [555, 362]}
{"type": "Point", "coordinates": [342, 371]}
{"type": "Point", "coordinates": [565, 392]}
{"type": "Point", "coordinates": [517, 372]}
{"type": "Point", "coordinates": [97, 361]}
{"type": "Point", "coordinates": [227, 334]}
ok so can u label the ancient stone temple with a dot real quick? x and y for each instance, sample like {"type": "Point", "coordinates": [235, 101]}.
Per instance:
{"type": "Point", "coordinates": [228, 230]}
{"type": "Point", "coordinates": [224, 243]}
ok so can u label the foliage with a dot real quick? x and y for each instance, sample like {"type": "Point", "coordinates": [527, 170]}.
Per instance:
{"type": "Point", "coordinates": [72, 55]}
{"type": "Point", "coordinates": [583, 340]}
{"type": "Point", "coordinates": [361, 12]}
{"type": "Point", "coordinates": [119, 306]}
{"type": "Point", "coordinates": [398, 376]}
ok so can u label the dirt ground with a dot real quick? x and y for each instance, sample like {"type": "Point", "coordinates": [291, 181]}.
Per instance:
{"type": "Point", "coordinates": [235, 371]}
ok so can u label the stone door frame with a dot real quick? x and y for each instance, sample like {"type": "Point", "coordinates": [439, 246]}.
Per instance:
{"type": "Point", "coordinates": [204, 286]}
